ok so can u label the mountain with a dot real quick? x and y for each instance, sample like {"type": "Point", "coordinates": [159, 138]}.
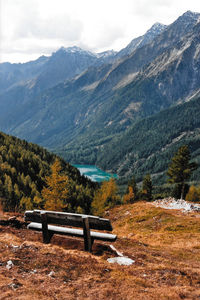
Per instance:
{"type": "Point", "coordinates": [109, 53]}
{"type": "Point", "coordinates": [12, 74]}
{"type": "Point", "coordinates": [80, 116]}
{"type": "Point", "coordinates": [46, 72]}
{"type": "Point", "coordinates": [64, 64]}
{"type": "Point", "coordinates": [146, 147]}
{"type": "Point", "coordinates": [150, 143]}
{"type": "Point", "coordinates": [20, 84]}
{"type": "Point", "coordinates": [124, 72]}
{"type": "Point", "coordinates": [140, 41]}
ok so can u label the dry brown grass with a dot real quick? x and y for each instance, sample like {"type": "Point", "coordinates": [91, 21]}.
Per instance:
{"type": "Point", "coordinates": [164, 244]}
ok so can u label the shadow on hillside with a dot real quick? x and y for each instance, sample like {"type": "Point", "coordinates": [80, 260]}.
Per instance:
{"type": "Point", "coordinates": [69, 243]}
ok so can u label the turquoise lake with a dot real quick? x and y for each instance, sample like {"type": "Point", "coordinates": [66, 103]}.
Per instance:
{"type": "Point", "coordinates": [94, 173]}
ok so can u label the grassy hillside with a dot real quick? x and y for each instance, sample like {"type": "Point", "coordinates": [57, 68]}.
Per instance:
{"type": "Point", "coordinates": [163, 243]}
{"type": "Point", "coordinates": [23, 167]}
{"type": "Point", "coordinates": [157, 227]}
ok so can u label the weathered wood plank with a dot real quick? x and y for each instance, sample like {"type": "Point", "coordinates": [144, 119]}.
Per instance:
{"type": "Point", "coordinates": [74, 232]}
{"type": "Point", "coordinates": [42, 220]}
{"type": "Point", "coordinates": [69, 219]}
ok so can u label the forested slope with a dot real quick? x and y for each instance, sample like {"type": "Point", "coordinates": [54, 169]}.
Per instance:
{"type": "Point", "coordinates": [23, 168]}
{"type": "Point", "coordinates": [149, 145]}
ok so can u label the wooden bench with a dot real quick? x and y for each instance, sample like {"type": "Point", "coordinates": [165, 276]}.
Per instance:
{"type": "Point", "coordinates": [42, 220]}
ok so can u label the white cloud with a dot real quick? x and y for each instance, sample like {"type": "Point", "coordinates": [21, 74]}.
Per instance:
{"type": "Point", "coordinates": [30, 28]}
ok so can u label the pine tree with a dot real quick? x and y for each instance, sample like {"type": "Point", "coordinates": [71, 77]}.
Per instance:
{"type": "Point", "coordinates": [26, 203]}
{"type": "Point", "coordinates": [180, 168]}
{"type": "Point", "coordinates": [56, 192]}
{"type": "Point", "coordinates": [147, 187]}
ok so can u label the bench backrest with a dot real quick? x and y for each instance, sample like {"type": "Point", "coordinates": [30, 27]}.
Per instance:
{"type": "Point", "coordinates": [70, 219]}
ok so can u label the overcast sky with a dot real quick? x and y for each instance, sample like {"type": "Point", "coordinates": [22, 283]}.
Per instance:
{"type": "Point", "coordinates": [31, 28]}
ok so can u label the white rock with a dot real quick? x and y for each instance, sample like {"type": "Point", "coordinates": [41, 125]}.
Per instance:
{"type": "Point", "coordinates": [51, 274]}
{"type": "Point", "coordinates": [122, 260]}
{"type": "Point", "coordinates": [171, 203]}
{"type": "Point", "coordinates": [15, 246]}
{"type": "Point", "coordinates": [9, 264]}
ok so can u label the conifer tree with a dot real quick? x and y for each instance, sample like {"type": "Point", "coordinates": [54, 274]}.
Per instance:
{"type": "Point", "coordinates": [180, 169]}
{"type": "Point", "coordinates": [147, 187]}
{"type": "Point", "coordinates": [193, 194]}
{"type": "Point", "coordinates": [26, 203]}
{"type": "Point", "coordinates": [105, 198]}
{"type": "Point", "coordinates": [56, 192]}
{"type": "Point", "coordinates": [132, 191]}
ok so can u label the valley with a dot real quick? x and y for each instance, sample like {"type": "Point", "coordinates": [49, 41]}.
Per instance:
{"type": "Point", "coordinates": [109, 109]}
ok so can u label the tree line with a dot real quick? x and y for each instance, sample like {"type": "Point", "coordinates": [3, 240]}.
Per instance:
{"type": "Point", "coordinates": [31, 177]}
{"type": "Point", "coordinates": [179, 172]}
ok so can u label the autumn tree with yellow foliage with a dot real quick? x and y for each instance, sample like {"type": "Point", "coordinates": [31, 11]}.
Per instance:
{"type": "Point", "coordinates": [132, 191]}
{"type": "Point", "coordinates": [105, 198]}
{"type": "Point", "coordinates": [130, 196]}
{"type": "Point", "coordinates": [193, 194]}
{"type": "Point", "coordinates": [56, 191]}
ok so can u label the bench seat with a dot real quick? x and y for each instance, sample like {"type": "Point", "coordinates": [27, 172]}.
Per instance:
{"type": "Point", "coordinates": [52, 222]}
{"type": "Point", "coordinates": [73, 232]}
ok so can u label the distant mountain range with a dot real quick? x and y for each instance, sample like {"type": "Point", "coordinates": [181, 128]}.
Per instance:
{"type": "Point", "coordinates": [103, 108]}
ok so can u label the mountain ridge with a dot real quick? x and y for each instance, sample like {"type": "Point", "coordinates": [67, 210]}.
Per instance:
{"type": "Point", "coordinates": [105, 100]}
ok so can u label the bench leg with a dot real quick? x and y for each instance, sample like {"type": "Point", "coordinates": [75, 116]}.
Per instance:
{"type": "Point", "coordinates": [47, 237]}
{"type": "Point", "coordinates": [46, 234]}
{"type": "Point", "coordinates": [88, 241]}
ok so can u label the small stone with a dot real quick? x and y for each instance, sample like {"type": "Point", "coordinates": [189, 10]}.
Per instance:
{"type": "Point", "coordinates": [127, 213]}
{"type": "Point", "coordinates": [12, 218]}
{"type": "Point", "coordinates": [15, 246]}
{"type": "Point", "coordinates": [15, 284]}
{"type": "Point", "coordinates": [121, 260]}
{"type": "Point", "coordinates": [9, 264]}
{"type": "Point", "coordinates": [106, 270]}
{"type": "Point", "coordinates": [51, 274]}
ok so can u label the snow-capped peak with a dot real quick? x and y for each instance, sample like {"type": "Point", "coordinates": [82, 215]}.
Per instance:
{"type": "Point", "coordinates": [75, 49]}
{"type": "Point", "coordinates": [156, 28]}
{"type": "Point", "coordinates": [106, 53]}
